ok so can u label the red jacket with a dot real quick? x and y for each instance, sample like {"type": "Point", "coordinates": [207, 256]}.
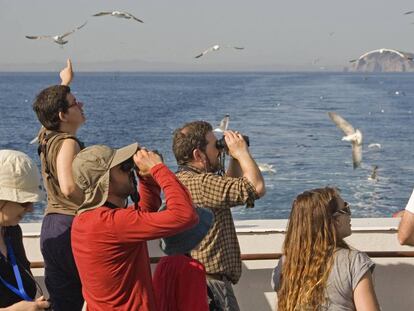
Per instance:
{"type": "Point", "coordinates": [180, 284]}
{"type": "Point", "coordinates": [110, 249]}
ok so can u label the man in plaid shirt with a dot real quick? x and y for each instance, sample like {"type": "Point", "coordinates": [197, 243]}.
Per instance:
{"type": "Point", "coordinates": [194, 147]}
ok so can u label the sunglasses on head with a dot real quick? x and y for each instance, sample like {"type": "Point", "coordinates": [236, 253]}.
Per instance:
{"type": "Point", "coordinates": [345, 211]}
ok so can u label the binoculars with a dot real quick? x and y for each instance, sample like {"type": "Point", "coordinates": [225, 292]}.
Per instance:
{"type": "Point", "coordinates": [221, 143]}
{"type": "Point", "coordinates": [129, 164]}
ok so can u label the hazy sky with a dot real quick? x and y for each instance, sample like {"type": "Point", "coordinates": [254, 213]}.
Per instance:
{"type": "Point", "coordinates": [277, 35]}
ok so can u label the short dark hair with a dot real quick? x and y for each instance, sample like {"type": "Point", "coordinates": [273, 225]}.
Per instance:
{"type": "Point", "coordinates": [189, 137]}
{"type": "Point", "coordinates": [48, 103]}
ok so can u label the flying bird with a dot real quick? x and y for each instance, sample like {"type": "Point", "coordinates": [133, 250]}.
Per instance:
{"type": "Point", "coordinates": [264, 168]}
{"type": "Point", "coordinates": [409, 12]}
{"type": "Point", "coordinates": [59, 39]}
{"type": "Point", "coordinates": [375, 145]}
{"type": "Point", "coordinates": [352, 135]}
{"type": "Point", "coordinates": [315, 61]}
{"type": "Point", "coordinates": [217, 47]}
{"type": "Point", "coordinates": [408, 56]}
{"type": "Point", "coordinates": [224, 124]}
{"type": "Point", "coordinates": [119, 14]}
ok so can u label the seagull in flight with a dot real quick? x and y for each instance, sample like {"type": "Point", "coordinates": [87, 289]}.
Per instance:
{"type": "Point", "coordinates": [216, 48]}
{"type": "Point", "coordinates": [59, 39]}
{"type": "Point", "coordinates": [407, 56]}
{"type": "Point", "coordinates": [375, 145]}
{"type": "Point", "coordinates": [352, 135]}
{"type": "Point", "coordinates": [315, 61]}
{"type": "Point", "coordinates": [265, 167]}
{"type": "Point", "coordinates": [224, 124]}
{"type": "Point", "coordinates": [119, 14]}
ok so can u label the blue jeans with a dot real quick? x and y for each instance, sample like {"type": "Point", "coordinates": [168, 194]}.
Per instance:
{"type": "Point", "coordinates": [61, 275]}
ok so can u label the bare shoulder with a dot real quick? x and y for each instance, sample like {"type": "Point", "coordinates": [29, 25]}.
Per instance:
{"type": "Point", "coordinates": [70, 145]}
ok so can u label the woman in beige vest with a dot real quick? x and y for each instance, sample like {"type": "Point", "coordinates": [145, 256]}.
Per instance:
{"type": "Point", "coordinates": [61, 116]}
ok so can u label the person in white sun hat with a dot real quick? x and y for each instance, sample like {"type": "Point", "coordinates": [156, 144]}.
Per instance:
{"type": "Point", "coordinates": [19, 189]}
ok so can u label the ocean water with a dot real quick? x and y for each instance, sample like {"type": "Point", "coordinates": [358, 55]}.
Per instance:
{"type": "Point", "coordinates": [284, 114]}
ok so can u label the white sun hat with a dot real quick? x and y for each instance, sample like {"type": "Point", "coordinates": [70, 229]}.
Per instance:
{"type": "Point", "coordinates": [19, 178]}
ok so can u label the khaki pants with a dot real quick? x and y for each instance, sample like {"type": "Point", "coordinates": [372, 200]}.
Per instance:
{"type": "Point", "coordinates": [224, 297]}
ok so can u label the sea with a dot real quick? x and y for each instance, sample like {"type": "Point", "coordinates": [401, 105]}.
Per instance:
{"type": "Point", "coordinates": [284, 115]}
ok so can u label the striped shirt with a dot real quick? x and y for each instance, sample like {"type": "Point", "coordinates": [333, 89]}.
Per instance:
{"type": "Point", "coordinates": [219, 251]}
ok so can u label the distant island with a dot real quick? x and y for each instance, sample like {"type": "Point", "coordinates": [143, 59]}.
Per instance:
{"type": "Point", "coordinates": [383, 60]}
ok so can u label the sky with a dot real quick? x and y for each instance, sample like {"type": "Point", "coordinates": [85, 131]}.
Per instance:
{"type": "Point", "coordinates": [277, 35]}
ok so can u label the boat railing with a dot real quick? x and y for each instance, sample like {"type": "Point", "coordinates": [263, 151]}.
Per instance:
{"type": "Point", "coordinates": [274, 256]}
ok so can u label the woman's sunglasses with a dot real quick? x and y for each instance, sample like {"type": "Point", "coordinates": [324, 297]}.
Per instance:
{"type": "Point", "coordinates": [75, 103]}
{"type": "Point", "coordinates": [345, 211]}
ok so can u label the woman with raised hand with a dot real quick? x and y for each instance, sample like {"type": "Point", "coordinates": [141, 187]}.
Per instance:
{"type": "Point", "coordinates": [19, 188]}
{"type": "Point", "coordinates": [318, 270]}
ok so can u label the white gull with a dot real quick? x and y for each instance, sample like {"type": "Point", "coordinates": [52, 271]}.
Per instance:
{"type": "Point", "coordinates": [59, 39]}
{"type": "Point", "coordinates": [216, 48]}
{"type": "Point", "coordinates": [352, 135]}
{"type": "Point", "coordinates": [119, 14]}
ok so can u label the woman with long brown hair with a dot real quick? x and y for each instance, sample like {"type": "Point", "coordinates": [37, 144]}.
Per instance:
{"type": "Point", "coordinates": [318, 270]}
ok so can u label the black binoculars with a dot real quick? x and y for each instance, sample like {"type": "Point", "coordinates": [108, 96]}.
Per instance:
{"type": "Point", "coordinates": [129, 164]}
{"type": "Point", "coordinates": [221, 143]}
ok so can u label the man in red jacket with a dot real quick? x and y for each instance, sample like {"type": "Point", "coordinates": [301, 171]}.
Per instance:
{"type": "Point", "coordinates": [109, 237]}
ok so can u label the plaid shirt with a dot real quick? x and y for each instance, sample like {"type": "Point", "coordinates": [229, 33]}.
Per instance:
{"type": "Point", "coordinates": [219, 251]}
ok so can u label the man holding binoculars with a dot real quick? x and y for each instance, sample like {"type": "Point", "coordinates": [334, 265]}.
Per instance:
{"type": "Point", "coordinates": [109, 237]}
{"type": "Point", "coordinates": [198, 154]}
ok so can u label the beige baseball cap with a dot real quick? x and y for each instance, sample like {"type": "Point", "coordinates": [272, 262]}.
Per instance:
{"type": "Point", "coordinates": [90, 170]}
{"type": "Point", "coordinates": [19, 178]}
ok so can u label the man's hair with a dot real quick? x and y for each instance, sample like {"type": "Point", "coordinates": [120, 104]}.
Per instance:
{"type": "Point", "coordinates": [189, 137]}
{"type": "Point", "coordinates": [48, 103]}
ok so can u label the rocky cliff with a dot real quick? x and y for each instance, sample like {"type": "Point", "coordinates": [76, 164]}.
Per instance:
{"type": "Point", "coordinates": [383, 60]}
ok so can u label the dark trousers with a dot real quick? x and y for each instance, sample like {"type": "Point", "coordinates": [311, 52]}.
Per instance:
{"type": "Point", "coordinates": [61, 275]}
{"type": "Point", "coordinates": [223, 295]}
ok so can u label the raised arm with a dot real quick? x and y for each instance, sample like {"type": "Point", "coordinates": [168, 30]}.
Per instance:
{"type": "Point", "coordinates": [219, 192]}
{"type": "Point", "coordinates": [180, 214]}
{"type": "Point", "coordinates": [234, 169]}
{"type": "Point", "coordinates": [149, 192]}
{"type": "Point", "coordinates": [239, 150]}
{"type": "Point", "coordinates": [66, 75]}
{"type": "Point", "coordinates": [67, 153]}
